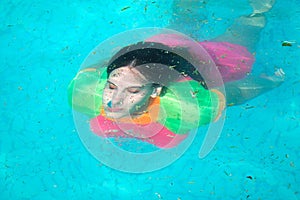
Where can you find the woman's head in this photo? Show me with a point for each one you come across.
(128, 91)
(138, 73)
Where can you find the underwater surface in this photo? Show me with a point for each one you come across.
(43, 44)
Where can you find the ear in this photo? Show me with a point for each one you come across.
(156, 92)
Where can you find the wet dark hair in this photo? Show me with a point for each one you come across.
(159, 59)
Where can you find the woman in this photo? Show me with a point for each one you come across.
(151, 92)
(148, 95)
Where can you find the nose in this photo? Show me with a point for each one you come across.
(117, 99)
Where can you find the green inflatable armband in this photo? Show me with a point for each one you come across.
(186, 106)
(85, 91)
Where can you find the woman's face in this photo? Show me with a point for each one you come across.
(126, 93)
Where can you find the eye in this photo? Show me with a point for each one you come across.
(112, 86)
(134, 90)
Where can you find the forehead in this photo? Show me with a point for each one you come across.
(127, 76)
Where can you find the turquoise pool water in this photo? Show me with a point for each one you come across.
(41, 155)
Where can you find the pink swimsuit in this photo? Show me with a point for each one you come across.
(160, 136)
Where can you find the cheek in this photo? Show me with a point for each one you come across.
(138, 98)
(107, 95)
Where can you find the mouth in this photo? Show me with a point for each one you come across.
(114, 109)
